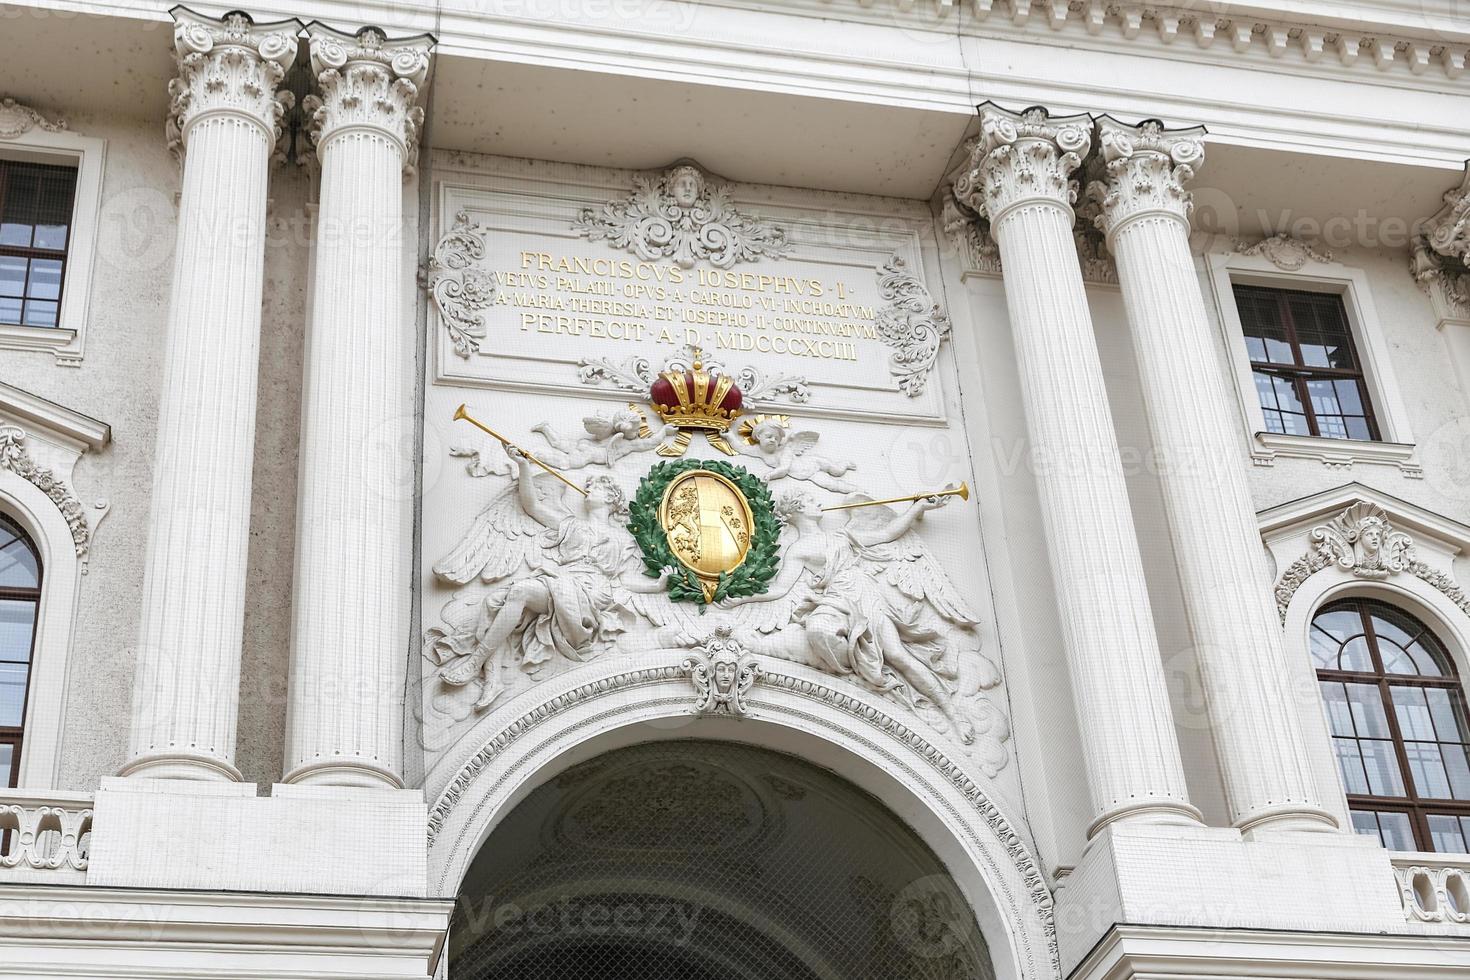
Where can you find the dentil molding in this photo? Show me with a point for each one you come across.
(229, 67)
(369, 88)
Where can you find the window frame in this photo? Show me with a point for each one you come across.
(66, 340)
(1417, 807)
(1395, 443)
(15, 736)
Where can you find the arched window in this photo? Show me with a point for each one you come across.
(20, 596)
(1398, 720)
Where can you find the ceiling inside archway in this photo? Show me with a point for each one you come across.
(692, 859)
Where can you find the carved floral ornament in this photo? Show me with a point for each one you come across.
(16, 120)
(15, 457)
(1362, 540)
(680, 215)
(1284, 252)
(1146, 168)
(229, 67)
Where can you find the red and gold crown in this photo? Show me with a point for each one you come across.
(696, 398)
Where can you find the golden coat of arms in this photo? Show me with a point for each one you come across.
(707, 522)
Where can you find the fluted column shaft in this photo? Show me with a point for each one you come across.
(353, 547)
(1227, 589)
(1020, 179)
(224, 122)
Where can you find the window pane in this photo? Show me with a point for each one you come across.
(1321, 330)
(1395, 831)
(1412, 712)
(1339, 623)
(45, 279)
(17, 619)
(1444, 834)
(1347, 397)
(1459, 770)
(12, 275)
(1355, 656)
(1382, 766)
(1323, 394)
(1332, 427)
(1260, 318)
(13, 694)
(40, 313)
(1395, 659)
(7, 762)
(1339, 714)
(1365, 822)
(1350, 763)
(1357, 428)
(1368, 713)
(18, 568)
(1448, 713)
(1425, 765)
(9, 310)
(1323, 648)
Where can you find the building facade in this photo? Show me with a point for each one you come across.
(661, 489)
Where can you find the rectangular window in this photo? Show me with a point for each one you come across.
(1308, 376)
(35, 233)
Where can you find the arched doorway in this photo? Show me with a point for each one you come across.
(704, 860)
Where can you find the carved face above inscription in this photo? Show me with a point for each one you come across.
(686, 184)
(707, 522)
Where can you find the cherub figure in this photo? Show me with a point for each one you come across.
(865, 599)
(562, 576)
(769, 438)
(609, 438)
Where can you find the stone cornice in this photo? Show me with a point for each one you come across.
(1023, 157)
(229, 66)
(1146, 167)
(369, 84)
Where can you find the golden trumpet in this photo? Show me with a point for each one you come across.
(962, 491)
(460, 413)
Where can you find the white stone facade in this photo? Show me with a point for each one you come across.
(303, 638)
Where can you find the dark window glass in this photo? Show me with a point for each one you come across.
(20, 597)
(1399, 727)
(1308, 378)
(35, 231)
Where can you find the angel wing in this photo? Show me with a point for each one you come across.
(502, 538)
(910, 567)
(802, 442)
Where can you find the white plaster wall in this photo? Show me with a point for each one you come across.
(117, 383)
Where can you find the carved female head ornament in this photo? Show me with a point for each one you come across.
(686, 186)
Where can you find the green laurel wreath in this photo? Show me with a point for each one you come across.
(753, 574)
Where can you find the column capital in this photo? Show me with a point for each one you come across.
(1146, 168)
(1448, 231)
(369, 85)
(228, 66)
(1021, 158)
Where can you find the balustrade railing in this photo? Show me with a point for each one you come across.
(1434, 887)
(44, 834)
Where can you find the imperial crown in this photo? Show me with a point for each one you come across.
(696, 399)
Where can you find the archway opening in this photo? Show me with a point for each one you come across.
(703, 860)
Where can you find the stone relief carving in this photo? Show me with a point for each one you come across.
(547, 580)
(1363, 540)
(769, 438)
(637, 374)
(460, 290)
(561, 574)
(722, 673)
(1143, 168)
(679, 215)
(1286, 253)
(911, 323)
(1448, 231)
(1444, 278)
(970, 232)
(1020, 156)
(16, 120)
(367, 80)
(17, 459)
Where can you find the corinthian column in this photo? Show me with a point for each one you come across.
(1227, 590)
(1019, 178)
(350, 634)
(224, 122)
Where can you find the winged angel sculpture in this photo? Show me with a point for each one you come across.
(549, 579)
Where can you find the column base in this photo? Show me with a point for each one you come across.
(181, 765)
(343, 772)
(1292, 818)
(1166, 813)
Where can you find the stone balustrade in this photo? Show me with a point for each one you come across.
(45, 835)
(1434, 887)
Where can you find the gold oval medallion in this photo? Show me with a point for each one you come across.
(707, 522)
